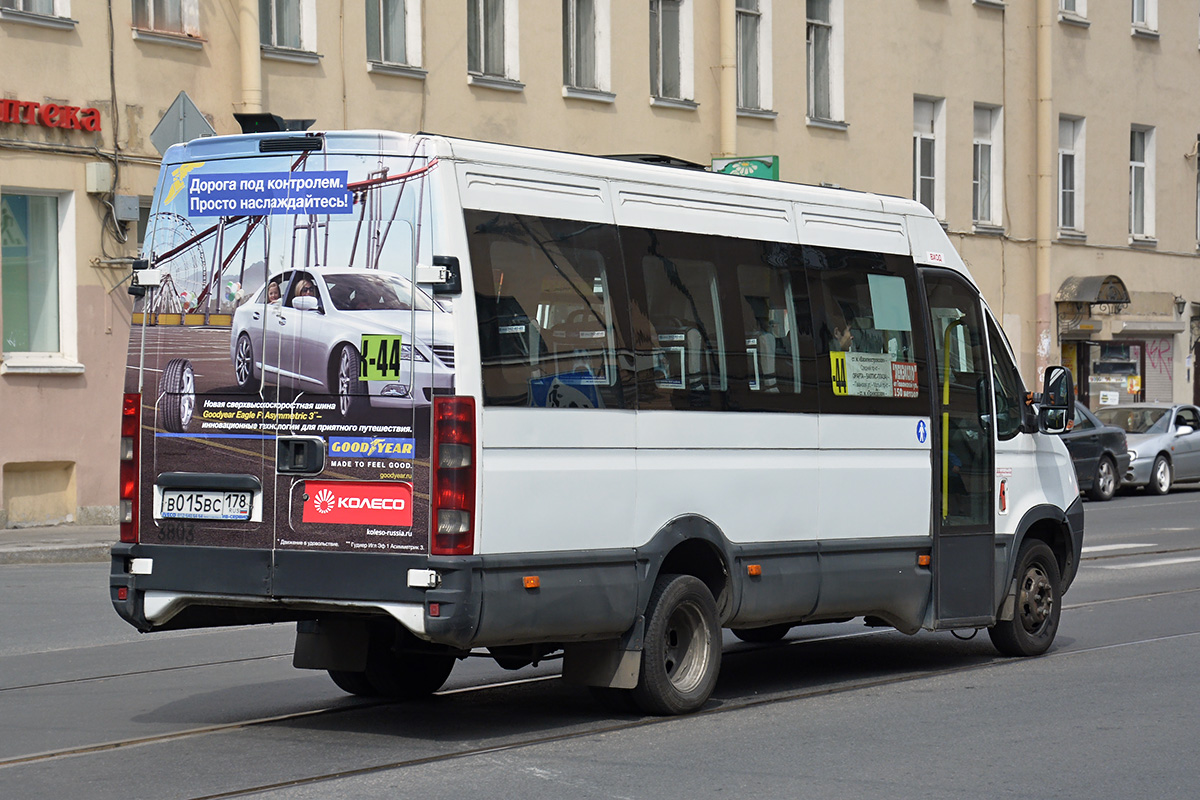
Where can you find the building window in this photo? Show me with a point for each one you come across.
(671, 49)
(754, 54)
(1145, 14)
(38, 277)
(1141, 183)
(394, 32)
(929, 156)
(289, 24)
(492, 39)
(824, 45)
(987, 174)
(167, 16)
(1075, 7)
(585, 44)
(1070, 174)
(48, 8)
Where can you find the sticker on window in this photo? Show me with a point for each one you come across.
(872, 375)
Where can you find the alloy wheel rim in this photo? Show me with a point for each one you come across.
(243, 361)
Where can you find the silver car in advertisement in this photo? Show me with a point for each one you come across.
(304, 329)
(1164, 443)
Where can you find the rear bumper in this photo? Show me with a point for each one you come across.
(174, 587)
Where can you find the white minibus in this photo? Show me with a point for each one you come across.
(429, 397)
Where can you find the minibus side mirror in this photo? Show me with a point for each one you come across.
(1057, 408)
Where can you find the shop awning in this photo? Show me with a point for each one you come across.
(1093, 289)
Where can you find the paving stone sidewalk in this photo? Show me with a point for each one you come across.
(57, 545)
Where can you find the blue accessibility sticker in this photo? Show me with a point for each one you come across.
(922, 431)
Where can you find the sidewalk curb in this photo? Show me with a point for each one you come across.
(55, 554)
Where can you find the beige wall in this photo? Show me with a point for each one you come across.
(964, 52)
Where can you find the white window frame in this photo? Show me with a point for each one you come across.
(413, 54)
(687, 58)
(762, 63)
(933, 130)
(835, 68)
(62, 8)
(189, 18)
(308, 29)
(1146, 169)
(510, 77)
(1144, 16)
(1074, 148)
(66, 359)
(993, 141)
(602, 53)
(59, 18)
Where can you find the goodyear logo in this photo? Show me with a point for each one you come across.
(378, 447)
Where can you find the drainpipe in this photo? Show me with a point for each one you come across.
(728, 12)
(1045, 205)
(251, 58)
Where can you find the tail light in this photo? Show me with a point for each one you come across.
(453, 476)
(131, 429)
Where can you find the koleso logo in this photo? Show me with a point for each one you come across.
(323, 501)
(352, 503)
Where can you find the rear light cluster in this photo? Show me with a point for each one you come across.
(453, 476)
(131, 428)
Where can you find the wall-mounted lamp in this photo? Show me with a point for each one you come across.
(1180, 305)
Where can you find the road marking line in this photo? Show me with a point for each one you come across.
(1162, 562)
(1103, 547)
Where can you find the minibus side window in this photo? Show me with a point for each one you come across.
(870, 344)
(687, 349)
(545, 294)
(776, 325)
(1006, 383)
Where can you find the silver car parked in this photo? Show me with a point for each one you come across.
(310, 337)
(1164, 443)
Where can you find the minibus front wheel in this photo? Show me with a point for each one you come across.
(1034, 624)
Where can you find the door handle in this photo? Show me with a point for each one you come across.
(299, 455)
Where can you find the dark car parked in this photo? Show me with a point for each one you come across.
(1100, 453)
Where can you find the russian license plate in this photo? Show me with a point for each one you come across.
(195, 504)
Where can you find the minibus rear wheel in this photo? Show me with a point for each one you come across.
(681, 653)
(1034, 624)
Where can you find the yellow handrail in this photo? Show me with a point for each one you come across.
(946, 418)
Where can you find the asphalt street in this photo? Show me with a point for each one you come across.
(94, 709)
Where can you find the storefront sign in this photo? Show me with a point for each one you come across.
(50, 115)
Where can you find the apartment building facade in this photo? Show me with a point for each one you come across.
(1051, 137)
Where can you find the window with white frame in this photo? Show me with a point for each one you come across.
(1076, 7)
(1145, 14)
(586, 44)
(929, 156)
(492, 39)
(47, 8)
(754, 54)
(671, 58)
(1070, 173)
(394, 32)
(1141, 182)
(824, 56)
(37, 270)
(288, 24)
(987, 176)
(167, 16)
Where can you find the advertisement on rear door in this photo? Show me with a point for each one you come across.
(288, 358)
